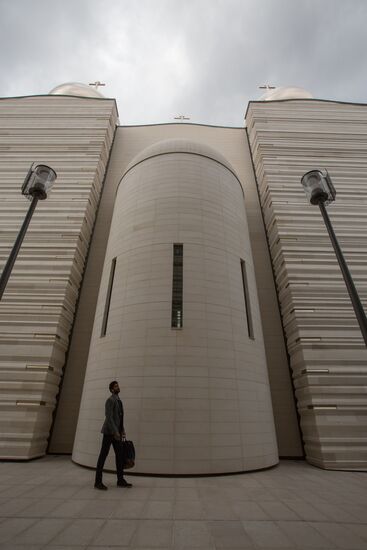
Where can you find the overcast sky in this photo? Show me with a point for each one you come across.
(200, 58)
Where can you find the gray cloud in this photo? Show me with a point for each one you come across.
(201, 58)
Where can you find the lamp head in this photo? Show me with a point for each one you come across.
(318, 187)
(38, 182)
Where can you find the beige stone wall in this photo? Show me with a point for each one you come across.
(197, 398)
(233, 144)
(74, 136)
(328, 356)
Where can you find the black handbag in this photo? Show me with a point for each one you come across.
(128, 453)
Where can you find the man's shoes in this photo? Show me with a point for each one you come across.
(124, 483)
(100, 486)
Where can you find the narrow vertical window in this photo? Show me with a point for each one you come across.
(246, 295)
(108, 298)
(177, 286)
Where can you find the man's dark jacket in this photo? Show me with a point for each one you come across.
(114, 411)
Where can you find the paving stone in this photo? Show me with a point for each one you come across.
(187, 509)
(186, 482)
(79, 532)
(207, 492)
(10, 528)
(39, 508)
(229, 535)
(187, 493)
(64, 492)
(131, 548)
(278, 511)
(284, 495)
(266, 534)
(340, 536)
(154, 533)
(218, 509)
(69, 509)
(335, 512)
(99, 509)
(163, 481)
(162, 493)
(41, 532)
(248, 510)
(358, 529)
(134, 493)
(358, 512)
(158, 509)
(304, 536)
(116, 532)
(306, 511)
(12, 507)
(192, 534)
(14, 490)
(44, 491)
(86, 493)
(236, 493)
(260, 494)
(10, 546)
(129, 509)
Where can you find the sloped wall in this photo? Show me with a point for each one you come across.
(74, 136)
(328, 355)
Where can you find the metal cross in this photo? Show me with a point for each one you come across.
(182, 117)
(96, 84)
(267, 87)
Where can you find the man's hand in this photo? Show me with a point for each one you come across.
(117, 436)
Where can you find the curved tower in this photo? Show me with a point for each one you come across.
(178, 322)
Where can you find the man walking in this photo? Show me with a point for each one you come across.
(113, 431)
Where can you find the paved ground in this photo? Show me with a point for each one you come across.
(51, 503)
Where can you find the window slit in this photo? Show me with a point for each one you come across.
(177, 287)
(246, 295)
(108, 298)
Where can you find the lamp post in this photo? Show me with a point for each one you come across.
(36, 186)
(320, 191)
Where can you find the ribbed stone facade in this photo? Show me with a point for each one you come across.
(327, 354)
(74, 136)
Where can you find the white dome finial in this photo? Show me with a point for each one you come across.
(285, 92)
(77, 89)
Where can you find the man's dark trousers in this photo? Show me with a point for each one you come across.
(107, 441)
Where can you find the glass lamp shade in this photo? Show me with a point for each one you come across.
(38, 182)
(318, 187)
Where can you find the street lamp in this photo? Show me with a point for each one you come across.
(36, 186)
(320, 191)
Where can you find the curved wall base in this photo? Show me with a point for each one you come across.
(154, 474)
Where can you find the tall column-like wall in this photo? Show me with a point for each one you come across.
(74, 136)
(328, 355)
(197, 398)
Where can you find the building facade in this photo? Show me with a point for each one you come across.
(328, 357)
(184, 261)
